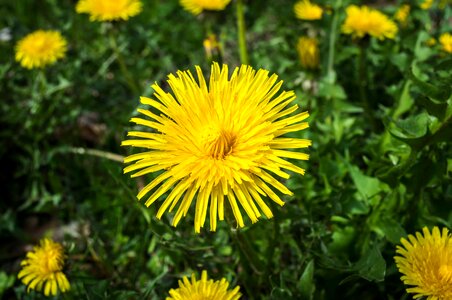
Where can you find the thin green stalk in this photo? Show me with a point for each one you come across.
(362, 84)
(242, 33)
(332, 40)
(122, 65)
(93, 152)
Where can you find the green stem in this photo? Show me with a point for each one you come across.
(331, 51)
(362, 84)
(242, 33)
(122, 65)
(93, 152)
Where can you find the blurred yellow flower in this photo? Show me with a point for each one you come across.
(211, 46)
(203, 289)
(308, 51)
(218, 139)
(40, 48)
(197, 6)
(305, 10)
(426, 4)
(43, 268)
(446, 42)
(109, 10)
(426, 264)
(362, 21)
(402, 13)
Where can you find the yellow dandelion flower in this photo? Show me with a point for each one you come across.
(446, 42)
(42, 269)
(308, 51)
(197, 6)
(426, 4)
(40, 48)
(305, 10)
(218, 140)
(203, 289)
(109, 10)
(402, 13)
(211, 46)
(426, 264)
(362, 21)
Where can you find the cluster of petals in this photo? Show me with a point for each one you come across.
(362, 21)
(198, 6)
(308, 52)
(446, 42)
(203, 289)
(109, 10)
(425, 260)
(218, 142)
(40, 48)
(42, 269)
(305, 10)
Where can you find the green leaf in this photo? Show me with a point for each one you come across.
(366, 185)
(371, 267)
(6, 281)
(441, 93)
(331, 90)
(306, 284)
(435, 109)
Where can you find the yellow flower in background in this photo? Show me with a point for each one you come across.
(203, 289)
(305, 10)
(446, 42)
(40, 48)
(308, 51)
(211, 46)
(426, 4)
(402, 13)
(220, 140)
(425, 260)
(362, 21)
(197, 6)
(43, 268)
(109, 10)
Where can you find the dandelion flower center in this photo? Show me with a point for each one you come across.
(219, 145)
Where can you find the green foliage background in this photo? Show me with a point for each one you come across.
(374, 175)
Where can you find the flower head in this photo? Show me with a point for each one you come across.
(308, 51)
(446, 42)
(402, 13)
(109, 10)
(197, 6)
(362, 21)
(42, 269)
(218, 140)
(203, 289)
(211, 46)
(40, 48)
(426, 4)
(305, 10)
(426, 263)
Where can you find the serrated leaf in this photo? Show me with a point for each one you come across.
(441, 93)
(371, 267)
(435, 109)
